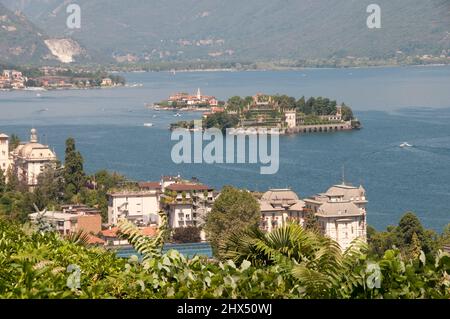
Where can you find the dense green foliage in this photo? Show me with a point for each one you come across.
(296, 264)
(73, 170)
(233, 210)
(409, 237)
(314, 106)
(186, 235)
(222, 121)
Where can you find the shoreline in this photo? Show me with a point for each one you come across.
(274, 69)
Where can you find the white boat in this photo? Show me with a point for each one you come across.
(177, 115)
(405, 145)
(148, 124)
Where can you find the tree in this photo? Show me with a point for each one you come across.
(311, 222)
(50, 186)
(2, 182)
(233, 210)
(347, 113)
(416, 247)
(301, 103)
(445, 238)
(13, 182)
(408, 226)
(14, 141)
(186, 235)
(235, 103)
(74, 176)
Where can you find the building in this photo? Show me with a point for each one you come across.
(107, 82)
(5, 160)
(197, 100)
(72, 219)
(338, 117)
(187, 204)
(30, 159)
(112, 238)
(280, 206)
(341, 213)
(139, 206)
(291, 118)
(12, 79)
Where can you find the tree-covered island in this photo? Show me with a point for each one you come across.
(290, 115)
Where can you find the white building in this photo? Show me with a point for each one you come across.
(5, 160)
(141, 207)
(291, 118)
(341, 213)
(28, 160)
(187, 204)
(280, 206)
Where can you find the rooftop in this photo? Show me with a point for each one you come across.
(149, 185)
(188, 187)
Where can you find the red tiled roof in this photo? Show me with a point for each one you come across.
(94, 240)
(150, 185)
(149, 231)
(146, 231)
(187, 187)
(110, 232)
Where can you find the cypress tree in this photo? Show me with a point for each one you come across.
(74, 176)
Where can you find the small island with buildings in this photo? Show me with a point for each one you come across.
(182, 101)
(263, 112)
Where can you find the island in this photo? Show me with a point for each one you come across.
(262, 112)
(186, 102)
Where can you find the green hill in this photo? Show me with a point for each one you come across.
(20, 40)
(266, 30)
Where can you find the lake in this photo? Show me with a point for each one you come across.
(395, 105)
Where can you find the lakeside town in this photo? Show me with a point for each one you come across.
(52, 78)
(153, 239)
(262, 112)
(340, 211)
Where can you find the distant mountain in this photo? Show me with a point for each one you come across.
(21, 42)
(177, 30)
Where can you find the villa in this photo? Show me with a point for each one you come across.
(280, 206)
(28, 160)
(340, 212)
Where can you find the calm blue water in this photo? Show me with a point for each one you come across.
(395, 105)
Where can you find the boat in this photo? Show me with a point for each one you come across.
(148, 124)
(177, 115)
(405, 145)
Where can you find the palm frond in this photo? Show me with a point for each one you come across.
(79, 238)
(148, 247)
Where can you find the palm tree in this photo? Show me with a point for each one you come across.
(322, 269)
(148, 247)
